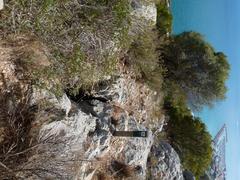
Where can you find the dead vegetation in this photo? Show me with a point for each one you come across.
(16, 116)
(111, 169)
(121, 170)
(83, 37)
(17, 113)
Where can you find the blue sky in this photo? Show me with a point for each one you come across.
(219, 22)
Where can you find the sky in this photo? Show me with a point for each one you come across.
(219, 22)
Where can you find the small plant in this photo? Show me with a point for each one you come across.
(143, 59)
(120, 169)
(16, 116)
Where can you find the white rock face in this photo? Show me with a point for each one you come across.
(168, 166)
(1, 4)
(75, 129)
(78, 144)
(145, 10)
(143, 17)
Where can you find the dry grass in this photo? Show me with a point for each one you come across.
(120, 170)
(83, 37)
(107, 168)
(117, 113)
(16, 116)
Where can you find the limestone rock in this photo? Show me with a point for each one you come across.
(188, 175)
(1, 4)
(146, 10)
(82, 139)
(164, 163)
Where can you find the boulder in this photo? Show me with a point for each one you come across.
(1, 4)
(188, 175)
(164, 163)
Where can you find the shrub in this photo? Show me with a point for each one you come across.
(121, 170)
(190, 138)
(196, 68)
(164, 19)
(143, 59)
(16, 116)
(173, 93)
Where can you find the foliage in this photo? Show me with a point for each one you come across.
(164, 19)
(143, 59)
(190, 138)
(173, 93)
(196, 68)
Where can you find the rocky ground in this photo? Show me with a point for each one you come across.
(71, 137)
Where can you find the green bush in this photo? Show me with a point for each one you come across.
(143, 59)
(164, 19)
(173, 93)
(196, 68)
(190, 138)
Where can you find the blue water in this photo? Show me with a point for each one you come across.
(218, 21)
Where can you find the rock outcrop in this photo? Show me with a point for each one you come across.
(82, 137)
(145, 10)
(79, 143)
(164, 162)
(1, 4)
(72, 137)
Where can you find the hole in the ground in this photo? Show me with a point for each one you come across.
(85, 101)
(84, 96)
